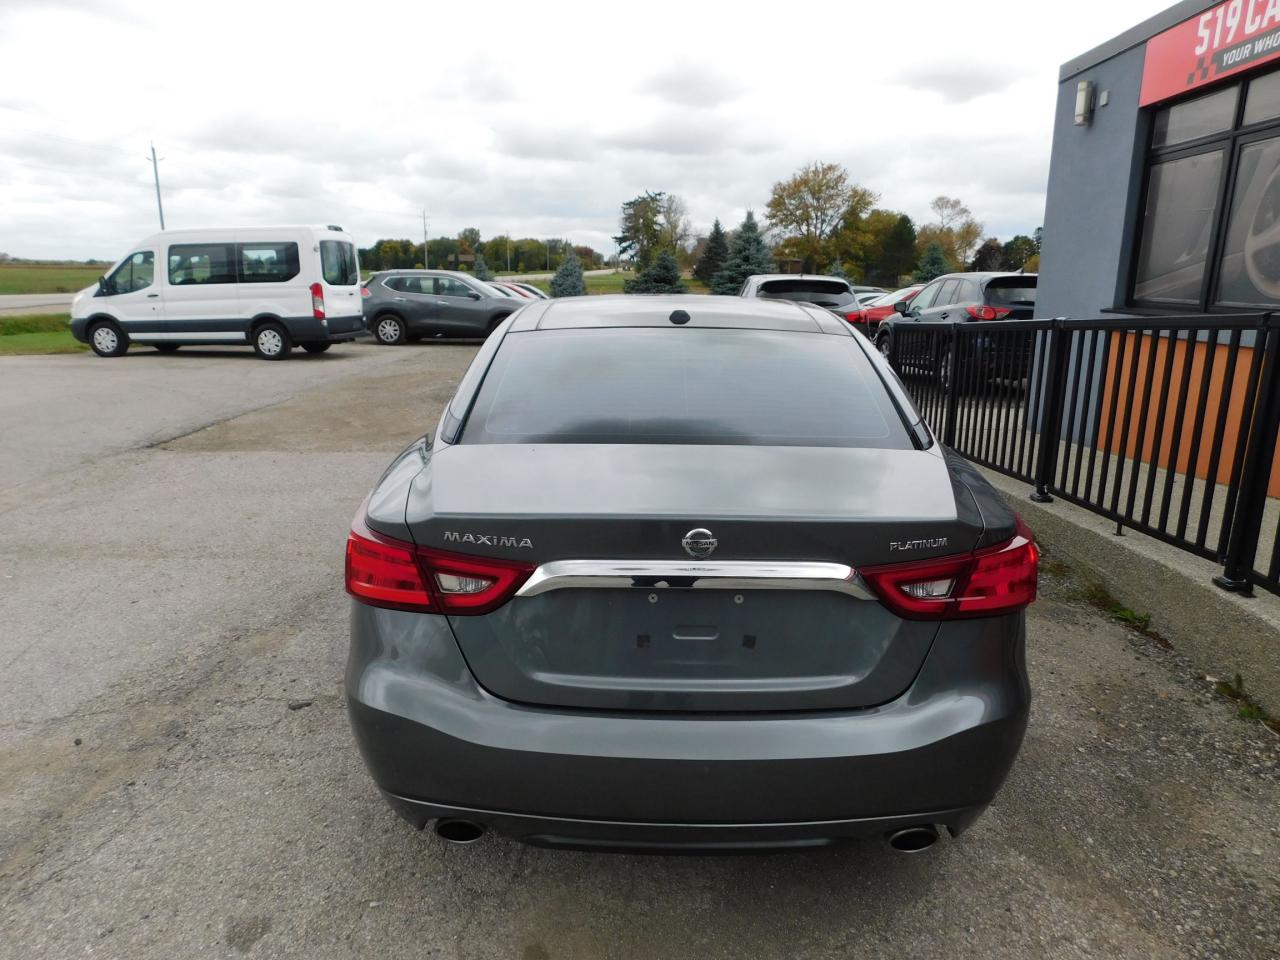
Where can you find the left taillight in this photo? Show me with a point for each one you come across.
(364, 293)
(385, 572)
(986, 583)
(317, 301)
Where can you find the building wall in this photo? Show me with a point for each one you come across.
(1095, 182)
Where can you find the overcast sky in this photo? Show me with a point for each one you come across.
(363, 113)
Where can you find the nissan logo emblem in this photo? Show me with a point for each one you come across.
(699, 543)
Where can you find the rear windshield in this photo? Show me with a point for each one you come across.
(825, 293)
(1012, 292)
(647, 385)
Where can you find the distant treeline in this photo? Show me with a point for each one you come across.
(501, 253)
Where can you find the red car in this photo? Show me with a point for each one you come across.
(867, 316)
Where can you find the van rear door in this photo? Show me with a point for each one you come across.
(340, 280)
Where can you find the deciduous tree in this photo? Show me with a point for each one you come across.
(988, 256)
(810, 207)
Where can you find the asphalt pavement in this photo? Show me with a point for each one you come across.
(177, 778)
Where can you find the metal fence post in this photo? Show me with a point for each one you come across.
(1261, 445)
(1051, 411)
(953, 389)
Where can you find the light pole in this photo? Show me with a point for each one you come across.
(426, 254)
(155, 169)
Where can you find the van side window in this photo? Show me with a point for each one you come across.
(137, 272)
(268, 262)
(338, 263)
(191, 263)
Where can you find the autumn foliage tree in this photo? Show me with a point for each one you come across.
(811, 207)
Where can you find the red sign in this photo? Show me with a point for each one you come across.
(1217, 43)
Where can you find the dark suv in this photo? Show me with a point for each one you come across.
(960, 298)
(402, 305)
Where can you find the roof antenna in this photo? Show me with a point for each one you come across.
(679, 317)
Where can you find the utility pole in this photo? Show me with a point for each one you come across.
(155, 169)
(508, 251)
(426, 255)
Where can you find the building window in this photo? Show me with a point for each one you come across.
(1210, 230)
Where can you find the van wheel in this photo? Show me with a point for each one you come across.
(166, 347)
(389, 330)
(271, 342)
(316, 347)
(108, 340)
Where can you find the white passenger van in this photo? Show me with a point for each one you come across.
(272, 287)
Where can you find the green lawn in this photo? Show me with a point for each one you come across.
(37, 333)
(612, 283)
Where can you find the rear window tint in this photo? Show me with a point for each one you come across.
(723, 387)
(1012, 292)
(338, 263)
(825, 293)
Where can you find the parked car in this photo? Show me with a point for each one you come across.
(402, 305)
(866, 319)
(510, 289)
(965, 298)
(272, 287)
(528, 288)
(833, 293)
(621, 598)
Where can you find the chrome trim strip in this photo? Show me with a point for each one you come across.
(695, 575)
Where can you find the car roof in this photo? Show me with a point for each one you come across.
(985, 275)
(423, 273)
(795, 276)
(629, 310)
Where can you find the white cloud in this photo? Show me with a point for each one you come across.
(503, 121)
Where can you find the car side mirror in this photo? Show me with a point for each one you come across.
(105, 287)
(902, 307)
(473, 295)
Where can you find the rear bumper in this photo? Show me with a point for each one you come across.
(440, 746)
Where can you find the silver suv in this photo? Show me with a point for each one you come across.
(402, 305)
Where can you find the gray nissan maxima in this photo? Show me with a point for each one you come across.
(686, 573)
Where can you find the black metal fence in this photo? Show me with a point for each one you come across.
(1164, 425)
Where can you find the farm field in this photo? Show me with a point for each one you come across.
(17, 278)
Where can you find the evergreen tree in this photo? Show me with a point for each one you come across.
(897, 257)
(661, 276)
(837, 270)
(932, 264)
(482, 271)
(748, 255)
(714, 256)
(568, 280)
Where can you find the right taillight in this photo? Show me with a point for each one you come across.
(985, 583)
(385, 572)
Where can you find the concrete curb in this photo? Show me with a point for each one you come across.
(1221, 633)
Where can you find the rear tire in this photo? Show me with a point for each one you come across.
(389, 330)
(108, 340)
(316, 347)
(884, 343)
(494, 324)
(271, 342)
(166, 347)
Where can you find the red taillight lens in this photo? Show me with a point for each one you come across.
(385, 572)
(981, 312)
(364, 292)
(317, 301)
(985, 583)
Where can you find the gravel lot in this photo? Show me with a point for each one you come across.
(177, 778)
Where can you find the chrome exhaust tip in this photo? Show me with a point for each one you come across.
(458, 831)
(914, 839)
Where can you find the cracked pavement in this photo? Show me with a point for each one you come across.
(170, 583)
